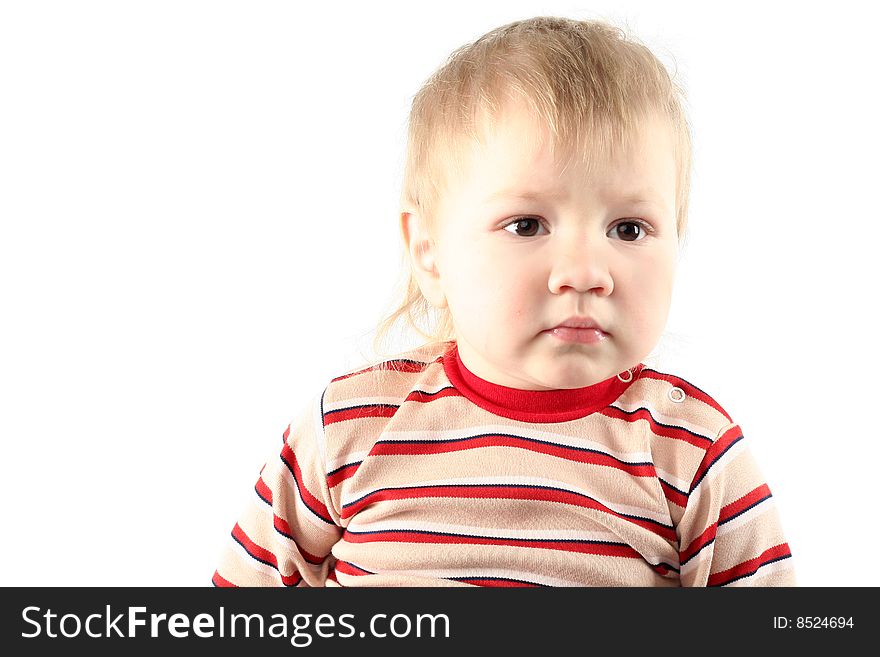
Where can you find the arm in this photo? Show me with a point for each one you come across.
(289, 526)
(730, 534)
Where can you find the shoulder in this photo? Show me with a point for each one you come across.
(367, 397)
(674, 401)
(392, 378)
(686, 426)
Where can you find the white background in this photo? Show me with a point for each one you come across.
(199, 227)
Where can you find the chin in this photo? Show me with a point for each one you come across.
(580, 379)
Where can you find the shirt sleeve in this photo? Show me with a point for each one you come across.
(289, 526)
(730, 533)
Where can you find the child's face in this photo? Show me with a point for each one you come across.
(524, 243)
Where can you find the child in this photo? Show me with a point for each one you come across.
(525, 444)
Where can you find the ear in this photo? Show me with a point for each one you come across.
(422, 252)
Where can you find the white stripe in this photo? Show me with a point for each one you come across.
(660, 418)
(306, 512)
(709, 550)
(487, 532)
(523, 481)
(705, 553)
(654, 560)
(267, 520)
(753, 513)
(675, 482)
(453, 573)
(524, 432)
(432, 389)
(353, 457)
(714, 471)
(259, 566)
(361, 401)
(765, 570)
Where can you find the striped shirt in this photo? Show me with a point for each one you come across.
(416, 472)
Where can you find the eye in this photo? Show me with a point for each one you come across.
(631, 230)
(524, 226)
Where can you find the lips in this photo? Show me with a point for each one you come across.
(584, 330)
(580, 323)
(580, 335)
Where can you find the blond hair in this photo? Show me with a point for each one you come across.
(587, 81)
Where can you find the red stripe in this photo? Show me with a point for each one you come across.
(256, 551)
(718, 447)
(359, 412)
(264, 555)
(498, 440)
(699, 542)
(311, 501)
(749, 567)
(479, 581)
(350, 569)
(502, 492)
(673, 495)
(406, 536)
(263, 490)
(744, 503)
(388, 365)
(282, 527)
(291, 580)
(727, 511)
(676, 433)
(342, 474)
(689, 389)
(424, 397)
(219, 580)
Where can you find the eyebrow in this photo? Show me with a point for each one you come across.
(641, 196)
(524, 195)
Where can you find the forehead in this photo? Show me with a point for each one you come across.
(518, 154)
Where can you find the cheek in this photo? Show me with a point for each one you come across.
(648, 288)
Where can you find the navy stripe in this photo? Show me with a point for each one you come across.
(749, 574)
(511, 435)
(713, 462)
(260, 495)
(497, 579)
(400, 360)
(672, 378)
(526, 486)
(354, 565)
(496, 538)
(299, 492)
(349, 408)
(430, 394)
(751, 506)
(700, 550)
(342, 467)
(661, 424)
(284, 534)
(665, 565)
(253, 556)
(677, 490)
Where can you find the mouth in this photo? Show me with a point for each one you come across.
(579, 335)
(584, 330)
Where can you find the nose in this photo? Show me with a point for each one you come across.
(581, 266)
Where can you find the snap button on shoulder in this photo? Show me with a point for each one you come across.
(677, 395)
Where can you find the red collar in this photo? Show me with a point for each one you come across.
(532, 405)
